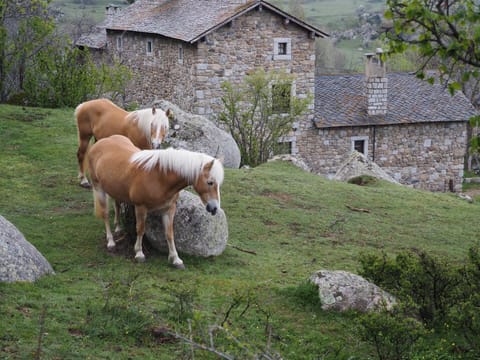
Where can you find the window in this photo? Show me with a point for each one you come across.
(360, 144)
(281, 94)
(180, 54)
(149, 47)
(119, 43)
(282, 49)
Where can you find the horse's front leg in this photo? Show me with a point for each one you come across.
(167, 219)
(140, 217)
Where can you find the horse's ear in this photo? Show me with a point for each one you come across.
(153, 110)
(209, 166)
(169, 114)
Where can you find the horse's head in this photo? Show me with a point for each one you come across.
(159, 126)
(208, 185)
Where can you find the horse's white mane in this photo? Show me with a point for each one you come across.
(145, 118)
(187, 163)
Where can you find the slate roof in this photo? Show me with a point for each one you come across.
(185, 20)
(340, 101)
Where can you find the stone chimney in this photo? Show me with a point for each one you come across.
(376, 84)
(111, 10)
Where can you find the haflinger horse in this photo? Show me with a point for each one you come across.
(101, 118)
(150, 180)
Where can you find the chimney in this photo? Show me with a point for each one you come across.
(111, 10)
(376, 84)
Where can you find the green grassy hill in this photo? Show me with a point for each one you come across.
(100, 305)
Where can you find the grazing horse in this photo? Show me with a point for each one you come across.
(150, 180)
(101, 118)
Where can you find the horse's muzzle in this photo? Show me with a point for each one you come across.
(212, 207)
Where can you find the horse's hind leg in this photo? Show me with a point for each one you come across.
(140, 217)
(116, 221)
(173, 258)
(83, 143)
(101, 211)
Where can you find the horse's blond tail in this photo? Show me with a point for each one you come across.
(101, 203)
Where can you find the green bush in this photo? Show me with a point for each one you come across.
(443, 296)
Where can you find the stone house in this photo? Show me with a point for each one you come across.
(415, 131)
(182, 51)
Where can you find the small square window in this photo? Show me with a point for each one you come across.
(360, 144)
(282, 49)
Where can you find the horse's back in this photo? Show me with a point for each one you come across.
(100, 117)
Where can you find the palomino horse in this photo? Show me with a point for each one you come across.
(150, 180)
(101, 118)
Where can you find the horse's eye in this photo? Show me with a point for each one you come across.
(210, 183)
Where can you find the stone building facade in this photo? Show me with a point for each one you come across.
(426, 156)
(416, 132)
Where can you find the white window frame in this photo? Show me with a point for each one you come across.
(276, 54)
(149, 47)
(365, 143)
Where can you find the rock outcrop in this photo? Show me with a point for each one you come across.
(341, 291)
(20, 260)
(196, 232)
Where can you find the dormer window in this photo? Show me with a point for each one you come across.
(282, 49)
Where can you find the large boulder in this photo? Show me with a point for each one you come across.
(356, 164)
(196, 232)
(197, 133)
(20, 260)
(341, 291)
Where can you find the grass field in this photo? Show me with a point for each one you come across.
(104, 306)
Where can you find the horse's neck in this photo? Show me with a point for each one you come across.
(138, 137)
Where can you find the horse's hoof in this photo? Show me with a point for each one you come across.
(140, 258)
(179, 266)
(111, 247)
(86, 185)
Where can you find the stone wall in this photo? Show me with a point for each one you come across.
(428, 156)
(159, 74)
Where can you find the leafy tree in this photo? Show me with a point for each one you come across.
(66, 76)
(26, 27)
(260, 112)
(445, 32)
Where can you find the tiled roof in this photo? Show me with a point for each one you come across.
(340, 101)
(188, 20)
(97, 39)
